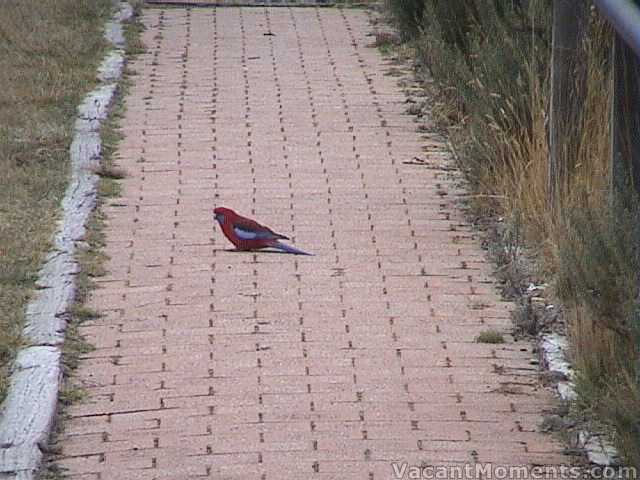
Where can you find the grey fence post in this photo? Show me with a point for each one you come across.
(567, 79)
(625, 120)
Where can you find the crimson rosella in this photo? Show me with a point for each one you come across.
(247, 234)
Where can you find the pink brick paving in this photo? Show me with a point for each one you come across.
(216, 364)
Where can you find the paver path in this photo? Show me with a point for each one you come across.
(211, 363)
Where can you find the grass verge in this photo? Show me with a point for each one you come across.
(49, 51)
(92, 258)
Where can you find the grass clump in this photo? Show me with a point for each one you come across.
(598, 279)
(490, 336)
(49, 51)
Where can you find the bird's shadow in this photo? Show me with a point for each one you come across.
(275, 252)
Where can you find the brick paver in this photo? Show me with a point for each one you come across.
(211, 363)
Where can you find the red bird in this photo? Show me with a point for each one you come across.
(247, 234)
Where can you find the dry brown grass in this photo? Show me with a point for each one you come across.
(523, 183)
(48, 53)
(587, 249)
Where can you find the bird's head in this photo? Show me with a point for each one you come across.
(222, 212)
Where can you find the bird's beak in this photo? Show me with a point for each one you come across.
(219, 217)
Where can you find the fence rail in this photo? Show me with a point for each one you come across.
(624, 15)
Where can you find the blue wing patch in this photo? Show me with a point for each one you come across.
(251, 235)
(245, 234)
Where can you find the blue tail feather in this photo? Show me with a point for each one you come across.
(289, 249)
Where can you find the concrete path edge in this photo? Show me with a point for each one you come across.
(28, 412)
(598, 446)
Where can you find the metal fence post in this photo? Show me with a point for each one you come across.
(625, 121)
(567, 79)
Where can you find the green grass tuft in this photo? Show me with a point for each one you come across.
(490, 336)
